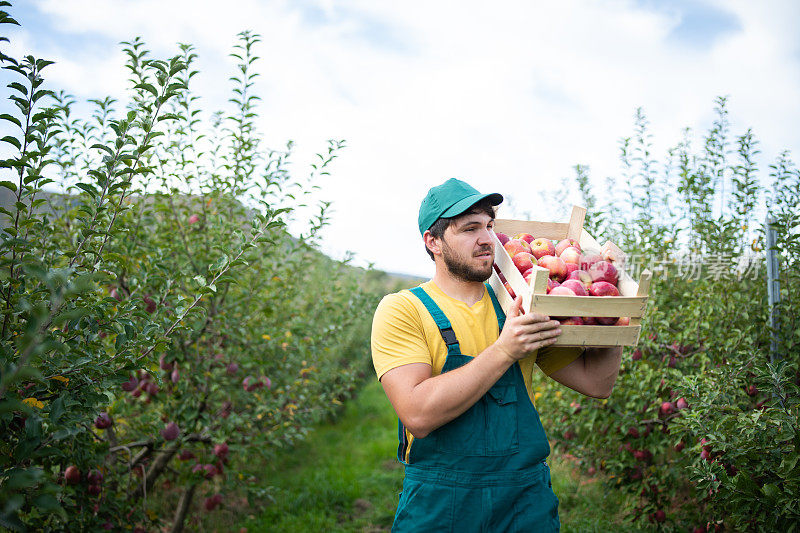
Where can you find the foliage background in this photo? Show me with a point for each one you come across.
(162, 294)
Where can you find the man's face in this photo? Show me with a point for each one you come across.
(467, 248)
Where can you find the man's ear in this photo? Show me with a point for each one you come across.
(432, 243)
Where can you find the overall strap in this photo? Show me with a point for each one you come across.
(449, 336)
(501, 316)
(445, 328)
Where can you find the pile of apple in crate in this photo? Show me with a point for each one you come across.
(560, 270)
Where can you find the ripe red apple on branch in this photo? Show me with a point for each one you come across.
(72, 475)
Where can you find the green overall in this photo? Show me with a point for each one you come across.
(484, 471)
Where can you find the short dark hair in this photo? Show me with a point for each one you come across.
(440, 226)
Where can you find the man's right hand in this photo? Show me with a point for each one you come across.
(524, 333)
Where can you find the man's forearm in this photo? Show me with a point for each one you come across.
(440, 399)
(603, 365)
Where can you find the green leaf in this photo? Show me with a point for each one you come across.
(57, 410)
(46, 502)
(147, 87)
(12, 141)
(8, 185)
(88, 189)
(10, 118)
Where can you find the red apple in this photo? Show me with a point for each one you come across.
(571, 255)
(72, 475)
(589, 321)
(162, 362)
(589, 260)
(541, 247)
(551, 284)
(660, 516)
(499, 274)
(502, 237)
(571, 267)
(603, 288)
(210, 470)
(527, 237)
(232, 368)
(606, 320)
(680, 446)
(515, 246)
(150, 304)
(642, 455)
(562, 291)
(624, 321)
(576, 286)
(170, 431)
(194, 219)
(604, 271)
(582, 276)
(185, 455)
(681, 403)
(637, 354)
(556, 266)
(103, 421)
(572, 321)
(667, 408)
(566, 243)
(523, 261)
(265, 382)
(212, 502)
(221, 450)
(507, 285)
(131, 384)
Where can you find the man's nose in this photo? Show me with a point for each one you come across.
(485, 237)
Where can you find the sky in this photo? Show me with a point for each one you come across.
(508, 96)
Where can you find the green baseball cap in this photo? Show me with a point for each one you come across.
(450, 199)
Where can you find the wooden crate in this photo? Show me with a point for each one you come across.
(631, 302)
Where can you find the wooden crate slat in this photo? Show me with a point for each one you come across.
(643, 290)
(588, 243)
(503, 298)
(547, 304)
(576, 223)
(598, 336)
(548, 230)
(509, 270)
(539, 279)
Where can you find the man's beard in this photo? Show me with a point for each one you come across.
(460, 269)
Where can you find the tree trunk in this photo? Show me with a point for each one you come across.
(183, 508)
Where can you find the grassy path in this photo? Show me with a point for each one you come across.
(344, 478)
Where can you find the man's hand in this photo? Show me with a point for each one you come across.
(525, 333)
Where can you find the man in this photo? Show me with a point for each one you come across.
(458, 374)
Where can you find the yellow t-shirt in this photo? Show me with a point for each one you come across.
(403, 332)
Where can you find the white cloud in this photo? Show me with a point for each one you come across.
(508, 96)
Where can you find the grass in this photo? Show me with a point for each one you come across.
(345, 478)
